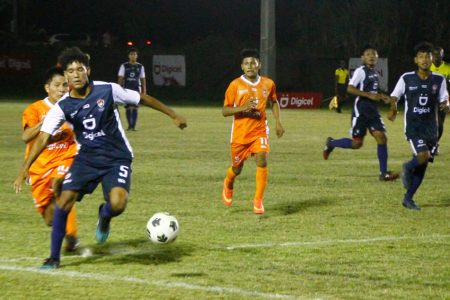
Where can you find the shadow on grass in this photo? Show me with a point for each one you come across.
(138, 251)
(289, 208)
(442, 203)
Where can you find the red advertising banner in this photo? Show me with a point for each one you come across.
(16, 63)
(299, 100)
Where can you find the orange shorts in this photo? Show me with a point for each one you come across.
(41, 185)
(240, 152)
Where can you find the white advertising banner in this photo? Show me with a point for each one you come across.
(169, 70)
(381, 68)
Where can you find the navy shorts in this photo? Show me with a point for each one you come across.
(84, 178)
(361, 124)
(420, 145)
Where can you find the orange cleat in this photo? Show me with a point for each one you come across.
(227, 194)
(258, 207)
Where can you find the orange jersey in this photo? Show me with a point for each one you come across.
(247, 127)
(64, 149)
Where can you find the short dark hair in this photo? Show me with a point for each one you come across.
(367, 47)
(132, 49)
(249, 53)
(52, 72)
(424, 47)
(438, 49)
(69, 55)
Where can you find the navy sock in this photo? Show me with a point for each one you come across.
(382, 153)
(134, 114)
(129, 117)
(418, 176)
(107, 212)
(342, 143)
(412, 164)
(58, 231)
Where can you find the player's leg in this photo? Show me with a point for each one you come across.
(128, 115)
(116, 185)
(441, 119)
(134, 116)
(238, 156)
(382, 154)
(261, 182)
(414, 171)
(359, 130)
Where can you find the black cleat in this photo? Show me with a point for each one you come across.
(410, 204)
(389, 176)
(50, 264)
(72, 243)
(327, 148)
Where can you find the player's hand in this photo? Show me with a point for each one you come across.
(279, 129)
(19, 181)
(392, 115)
(56, 186)
(386, 99)
(444, 107)
(180, 122)
(250, 105)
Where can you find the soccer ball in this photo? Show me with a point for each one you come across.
(162, 228)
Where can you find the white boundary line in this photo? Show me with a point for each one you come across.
(334, 242)
(158, 283)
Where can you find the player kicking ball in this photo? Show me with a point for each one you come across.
(246, 99)
(425, 93)
(105, 154)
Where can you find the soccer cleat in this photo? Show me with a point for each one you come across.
(102, 231)
(389, 176)
(327, 149)
(258, 207)
(410, 204)
(407, 177)
(72, 243)
(50, 264)
(227, 194)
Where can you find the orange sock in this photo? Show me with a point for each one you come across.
(230, 178)
(261, 182)
(71, 226)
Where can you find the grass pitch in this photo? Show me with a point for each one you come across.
(331, 229)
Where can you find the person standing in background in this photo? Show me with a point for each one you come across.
(340, 84)
(132, 76)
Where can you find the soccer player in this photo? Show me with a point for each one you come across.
(424, 92)
(365, 115)
(246, 99)
(340, 84)
(132, 76)
(53, 163)
(441, 67)
(105, 154)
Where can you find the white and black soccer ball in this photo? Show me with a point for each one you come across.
(162, 228)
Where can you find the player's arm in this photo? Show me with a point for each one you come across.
(120, 80)
(30, 133)
(276, 114)
(39, 145)
(372, 96)
(249, 105)
(392, 113)
(154, 103)
(121, 76)
(443, 93)
(144, 85)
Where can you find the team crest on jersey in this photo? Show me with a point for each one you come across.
(101, 104)
(434, 88)
(264, 92)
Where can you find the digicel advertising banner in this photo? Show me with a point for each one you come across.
(303, 100)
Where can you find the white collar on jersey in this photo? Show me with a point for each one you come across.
(249, 82)
(48, 102)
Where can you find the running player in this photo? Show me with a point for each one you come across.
(105, 154)
(246, 99)
(365, 115)
(53, 163)
(132, 76)
(424, 93)
(441, 67)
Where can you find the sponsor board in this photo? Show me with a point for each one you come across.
(299, 100)
(15, 63)
(169, 70)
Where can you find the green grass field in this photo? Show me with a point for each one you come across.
(331, 229)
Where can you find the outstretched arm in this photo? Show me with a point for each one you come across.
(40, 143)
(276, 114)
(154, 103)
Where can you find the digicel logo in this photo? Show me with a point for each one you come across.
(157, 69)
(300, 100)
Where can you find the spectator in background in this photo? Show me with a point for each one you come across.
(132, 76)
(106, 39)
(340, 84)
(441, 67)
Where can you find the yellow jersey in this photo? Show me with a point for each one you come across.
(342, 75)
(443, 69)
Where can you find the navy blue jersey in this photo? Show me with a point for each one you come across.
(96, 123)
(422, 99)
(365, 79)
(132, 74)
